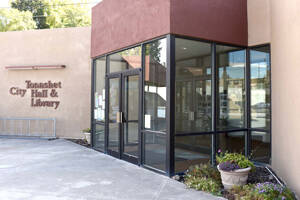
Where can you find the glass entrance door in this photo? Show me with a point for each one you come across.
(114, 110)
(123, 117)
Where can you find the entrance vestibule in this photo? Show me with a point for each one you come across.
(172, 102)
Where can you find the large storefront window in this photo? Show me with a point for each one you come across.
(124, 60)
(192, 150)
(261, 146)
(99, 103)
(155, 150)
(260, 103)
(260, 88)
(193, 86)
(193, 113)
(233, 142)
(231, 64)
(220, 98)
(155, 104)
(100, 69)
(155, 89)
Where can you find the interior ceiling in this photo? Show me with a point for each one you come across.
(189, 49)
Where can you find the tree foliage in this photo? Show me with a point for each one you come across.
(15, 20)
(64, 13)
(36, 7)
(53, 13)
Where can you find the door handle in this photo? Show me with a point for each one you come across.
(119, 117)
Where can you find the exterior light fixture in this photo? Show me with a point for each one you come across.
(35, 67)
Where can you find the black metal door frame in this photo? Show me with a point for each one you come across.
(121, 76)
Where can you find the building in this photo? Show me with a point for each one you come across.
(176, 80)
(171, 82)
(29, 61)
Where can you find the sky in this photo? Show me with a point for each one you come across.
(5, 3)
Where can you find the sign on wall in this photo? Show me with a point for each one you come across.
(43, 94)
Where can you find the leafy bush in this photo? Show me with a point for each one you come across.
(204, 184)
(204, 177)
(245, 192)
(87, 130)
(204, 171)
(270, 191)
(236, 158)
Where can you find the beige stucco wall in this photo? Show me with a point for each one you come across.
(70, 47)
(285, 55)
(259, 22)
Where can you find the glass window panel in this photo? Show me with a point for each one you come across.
(261, 146)
(155, 150)
(191, 150)
(231, 87)
(260, 88)
(128, 59)
(114, 108)
(99, 109)
(131, 98)
(131, 139)
(193, 86)
(99, 137)
(233, 142)
(131, 111)
(155, 89)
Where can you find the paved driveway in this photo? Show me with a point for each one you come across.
(33, 169)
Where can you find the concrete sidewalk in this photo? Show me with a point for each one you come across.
(35, 169)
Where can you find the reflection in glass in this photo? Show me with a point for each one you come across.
(99, 110)
(155, 86)
(99, 137)
(191, 150)
(261, 146)
(233, 142)
(155, 150)
(231, 87)
(260, 88)
(193, 86)
(131, 100)
(114, 108)
(128, 59)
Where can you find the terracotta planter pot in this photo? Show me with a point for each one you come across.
(236, 177)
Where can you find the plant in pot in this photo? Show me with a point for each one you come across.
(87, 135)
(234, 169)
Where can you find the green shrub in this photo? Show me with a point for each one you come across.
(241, 160)
(87, 130)
(205, 171)
(204, 184)
(261, 191)
(245, 192)
(270, 191)
(204, 177)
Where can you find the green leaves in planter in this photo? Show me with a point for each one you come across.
(239, 159)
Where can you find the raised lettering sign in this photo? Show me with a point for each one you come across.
(38, 92)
